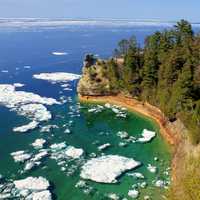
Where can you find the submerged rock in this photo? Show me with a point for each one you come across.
(106, 169)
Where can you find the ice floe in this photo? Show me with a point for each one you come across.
(133, 194)
(30, 126)
(18, 85)
(151, 168)
(39, 143)
(147, 136)
(57, 53)
(48, 128)
(30, 188)
(20, 156)
(113, 196)
(73, 152)
(26, 104)
(37, 112)
(65, 155)
(32, 183)
(57, 77)
(106, 169)
(122, 134)
(136, 175)
(104, 146)
(4, 71)
(27, 67)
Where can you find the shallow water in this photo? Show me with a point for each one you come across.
(89, 130)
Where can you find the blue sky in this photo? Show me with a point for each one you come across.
(132, 9)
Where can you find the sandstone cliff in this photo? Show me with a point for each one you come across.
(95, 80)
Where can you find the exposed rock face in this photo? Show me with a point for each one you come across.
(95, 79)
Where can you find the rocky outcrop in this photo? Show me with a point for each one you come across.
(95, 79)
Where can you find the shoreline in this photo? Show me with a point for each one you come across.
(173, 138)
(145, 109)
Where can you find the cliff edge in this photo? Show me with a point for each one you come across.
(96, 78)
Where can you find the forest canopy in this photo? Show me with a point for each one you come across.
(165, 73)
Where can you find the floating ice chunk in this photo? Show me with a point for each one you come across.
(104, 146)
(133, 194)
(18, 84)
(151, 168)
(115, 110)
(30, 126)
(20, 156)
(147, 136)
(56, 53)
(5, 196)
(74, 152)
(113, 196)
(38, 143)
(122, 134)
(146, 197)
(57, 76)
(106, 169)
(24, 193)
(156, 158)
(143, 184)
(48, 128)
(30, 165)
(4, 71)
(32, 183)
(160, 183)
(37, 112)
(107, 105)
(67, 131)
(80, 184)
(58, 146)
(40, 155)
(12, 98)
(27, 67)
(26, 104)
(96, 109)
(43, 195)
(136, 175)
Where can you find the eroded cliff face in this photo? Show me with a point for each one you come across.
(95, 79)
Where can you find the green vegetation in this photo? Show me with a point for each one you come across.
(166, 73)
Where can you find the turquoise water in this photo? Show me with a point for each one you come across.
(89, 130)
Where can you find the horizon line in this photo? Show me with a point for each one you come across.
(94, 19)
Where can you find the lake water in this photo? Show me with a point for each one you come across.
(33, 47)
